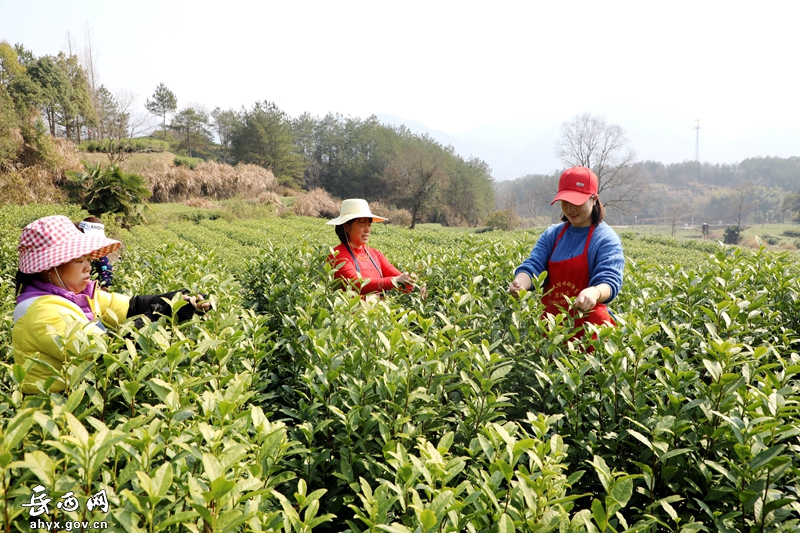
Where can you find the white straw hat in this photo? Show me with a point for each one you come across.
(354, 208)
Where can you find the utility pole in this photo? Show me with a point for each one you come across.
(697, 141)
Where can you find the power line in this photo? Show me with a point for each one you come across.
(697, 141)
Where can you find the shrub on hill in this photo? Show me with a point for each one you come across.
(269, 198)
(109, 189)
(215, 180)
(733, 234)
(505, 220)
(316, 203)
(127, 146)
(398, 217)
(191, 162)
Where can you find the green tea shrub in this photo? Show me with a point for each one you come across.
(733, 234)
(504, 220)
(138, 145)
(184, 161)
(295, 407)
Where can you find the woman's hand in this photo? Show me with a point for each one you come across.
(405, 279)
(587, 298)
(521, 281)
(198, 302)
(410, 279)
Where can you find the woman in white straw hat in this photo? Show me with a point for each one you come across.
(355, 261)
(54, 287)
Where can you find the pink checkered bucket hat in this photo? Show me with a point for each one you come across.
(54, 240)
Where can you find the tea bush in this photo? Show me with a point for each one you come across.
(130, 146)
(294, 407)
(189, 162)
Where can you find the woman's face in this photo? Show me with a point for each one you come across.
(75, 274)
(358, 231)
(579, 216)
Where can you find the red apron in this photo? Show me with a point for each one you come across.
(568, 278)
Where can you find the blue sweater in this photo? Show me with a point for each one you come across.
(606, 261)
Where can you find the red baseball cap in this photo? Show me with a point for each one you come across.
(576, 185)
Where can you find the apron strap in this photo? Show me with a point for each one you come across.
(558, 239)
(588, 239)
(358, 268)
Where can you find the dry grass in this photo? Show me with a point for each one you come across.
(169, 183)
(38, 183)
(756, 243)
(203, 203)
(213, 180)
(136, 163)
(397, 217)
(749, 242)
(67, 157)
(269, 198)
(30, 185)
(316, 203)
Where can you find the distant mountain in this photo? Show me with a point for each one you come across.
(512, 149)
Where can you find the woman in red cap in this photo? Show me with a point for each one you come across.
(54, 290)
(582, 256)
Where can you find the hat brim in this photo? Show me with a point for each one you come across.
(573, 197)
(352, 216)
(95, 246)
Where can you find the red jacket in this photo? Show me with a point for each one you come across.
(379, 280)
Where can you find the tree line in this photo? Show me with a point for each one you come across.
(60, 96)
(755, 191)
(346, 156)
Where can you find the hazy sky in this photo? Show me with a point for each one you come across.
(501, 73)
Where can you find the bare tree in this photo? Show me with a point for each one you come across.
(417, 171)
(119, 122)
(529, 197)
(677, 207)
(90, 65)
(742, 198)
(594, 143)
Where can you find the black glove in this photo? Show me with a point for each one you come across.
(153, 305)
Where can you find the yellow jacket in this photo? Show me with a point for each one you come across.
(31, 337)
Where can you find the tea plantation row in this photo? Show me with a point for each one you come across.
(293, 407)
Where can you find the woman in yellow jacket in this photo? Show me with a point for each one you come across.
(54, 290)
